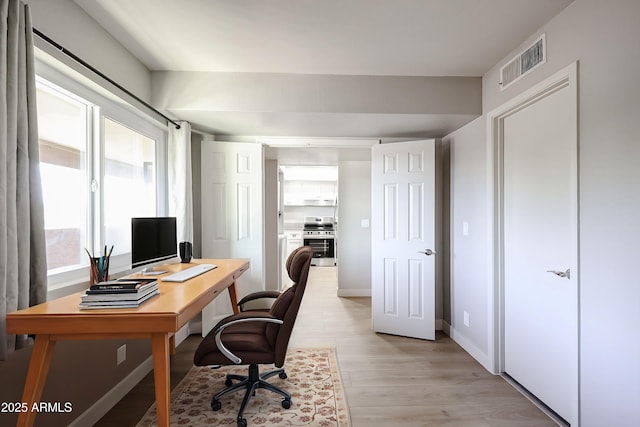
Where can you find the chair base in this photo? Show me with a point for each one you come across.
(251, 383)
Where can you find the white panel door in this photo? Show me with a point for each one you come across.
(232, 214)
(404, 238)
(540, 250)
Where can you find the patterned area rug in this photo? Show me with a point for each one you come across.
(317, 396)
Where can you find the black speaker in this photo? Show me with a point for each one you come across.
(186, 251)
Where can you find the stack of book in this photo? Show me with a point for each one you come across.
(121, 293)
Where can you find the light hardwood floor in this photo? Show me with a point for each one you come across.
(389, 380)
(397, 381)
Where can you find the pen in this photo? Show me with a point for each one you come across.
(101, 268)
(106, 267)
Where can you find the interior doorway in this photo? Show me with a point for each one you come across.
(309, 213)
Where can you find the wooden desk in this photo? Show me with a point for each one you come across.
(157, 319)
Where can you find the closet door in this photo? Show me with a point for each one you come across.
(540, 250)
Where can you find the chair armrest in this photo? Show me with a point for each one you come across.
(247, 316)
(257, 295)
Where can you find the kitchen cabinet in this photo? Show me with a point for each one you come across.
(293, 240)
(310, 193)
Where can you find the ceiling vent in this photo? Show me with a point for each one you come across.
(524, 63)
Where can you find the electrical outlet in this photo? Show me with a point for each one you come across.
(122, 354)
(466, 319)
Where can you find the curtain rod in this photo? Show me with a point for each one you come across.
(101, 74)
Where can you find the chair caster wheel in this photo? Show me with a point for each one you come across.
(283, 375)
(216, 405)
(242, 422)
(286, 403)
(228, 382)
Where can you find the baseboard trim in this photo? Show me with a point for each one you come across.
(96, 411)
(182, 334)
(446, 328)
(364, 292)
(480, 356)
(113, 396)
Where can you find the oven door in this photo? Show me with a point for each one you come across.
(323, 249)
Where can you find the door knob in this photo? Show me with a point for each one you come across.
(565, 274)
(427, 252)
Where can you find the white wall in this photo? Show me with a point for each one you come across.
(468, 270)
(354, 241)
(271, 251)
(603, 38)
(70, 26)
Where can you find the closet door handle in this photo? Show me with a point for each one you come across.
(565, 274)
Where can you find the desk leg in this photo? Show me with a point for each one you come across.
(36, 376)
(160, 351)
(234, 297)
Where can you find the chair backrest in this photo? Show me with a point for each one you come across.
(287, 305)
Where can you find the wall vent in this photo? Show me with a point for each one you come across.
(524, 63)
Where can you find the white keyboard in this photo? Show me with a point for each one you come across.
(189, 273)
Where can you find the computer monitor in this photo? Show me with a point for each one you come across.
(153, 239)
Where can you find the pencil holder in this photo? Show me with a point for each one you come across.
(99, 270)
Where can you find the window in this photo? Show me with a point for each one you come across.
(129, 181)
(62, 129)
(101, 165)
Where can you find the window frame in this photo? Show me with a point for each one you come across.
(103, 105)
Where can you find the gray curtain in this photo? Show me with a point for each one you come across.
(23, 264)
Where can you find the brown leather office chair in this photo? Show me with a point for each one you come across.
(257, 337)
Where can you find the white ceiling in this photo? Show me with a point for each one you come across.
(323, 37)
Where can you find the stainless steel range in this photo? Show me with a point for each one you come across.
(319, 234)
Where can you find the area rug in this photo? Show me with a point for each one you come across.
(317, 396)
